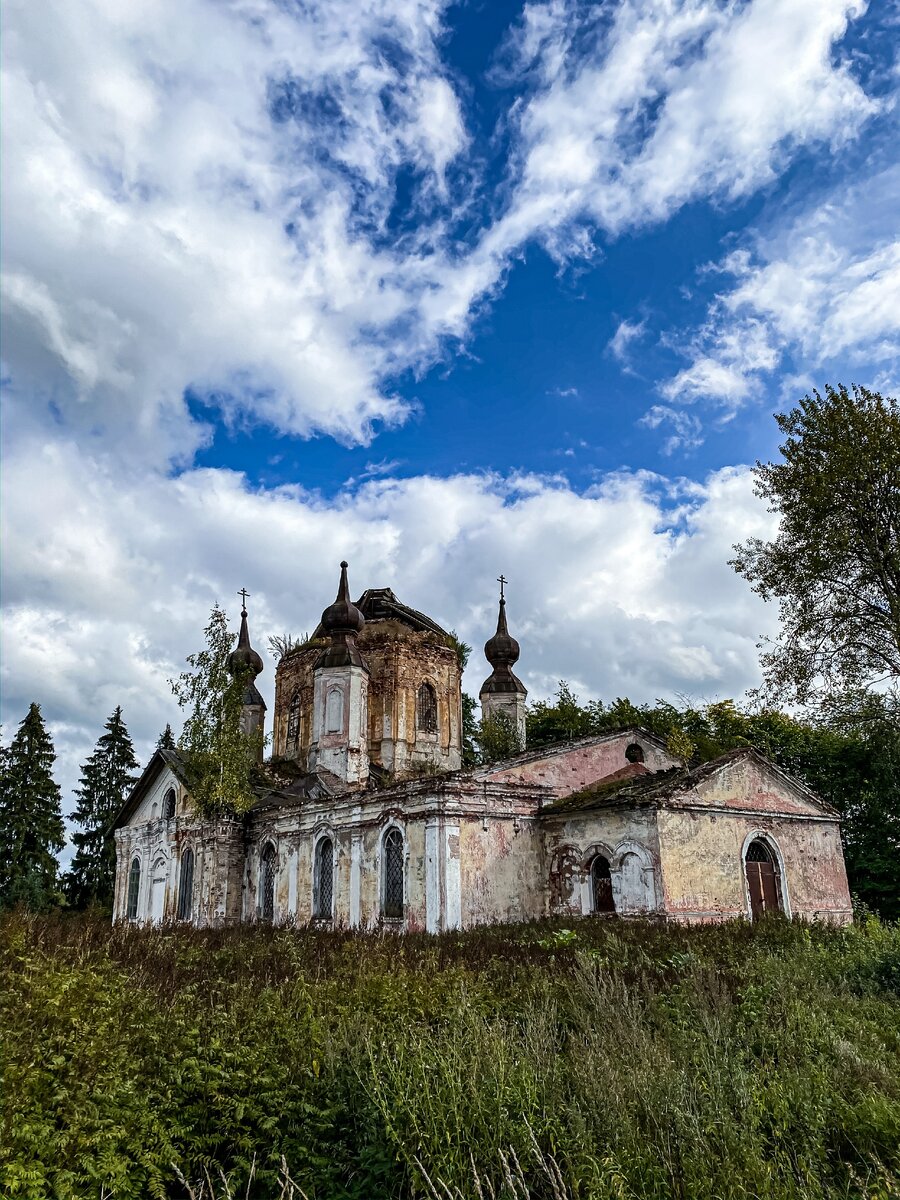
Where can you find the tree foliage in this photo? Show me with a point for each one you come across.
(218, 755)
(835, 565)
(166, 740)
(498, 737)
(31, 824)
(106, 778)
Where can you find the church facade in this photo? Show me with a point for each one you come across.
(367, 818)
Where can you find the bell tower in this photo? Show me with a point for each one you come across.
(502, 692)
(246, 664)
(340, 741)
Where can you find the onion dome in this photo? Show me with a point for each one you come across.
(243, 657)
(343, 616)
(502, 652)
(342, 621)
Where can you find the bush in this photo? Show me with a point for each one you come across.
(604, 1059)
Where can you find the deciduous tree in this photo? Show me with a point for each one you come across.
(218, 755)
(835, 565)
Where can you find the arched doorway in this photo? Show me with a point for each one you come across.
(601, 886)
(761, 871)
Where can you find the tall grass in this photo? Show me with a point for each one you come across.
(606, 1059)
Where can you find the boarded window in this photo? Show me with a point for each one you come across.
(427, 710)
(601, 886)
(169, 804)
(134, 887)
(186, 887)
(334, 711)
(762, 879)
(323, 880)
(392, 906)
(267, 884)
(293, 721)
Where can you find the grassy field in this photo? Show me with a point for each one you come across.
(602, 1059)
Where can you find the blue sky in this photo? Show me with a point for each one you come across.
(445, 290)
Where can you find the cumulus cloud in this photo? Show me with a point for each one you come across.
(823, 288)
(224, 222)
(109, 577)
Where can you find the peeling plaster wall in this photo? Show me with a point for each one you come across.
(619, 834)
(399, 661)
(568, 769)
(218, 848)
(501, 870)
(702, 837)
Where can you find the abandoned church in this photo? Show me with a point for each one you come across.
(369, 819)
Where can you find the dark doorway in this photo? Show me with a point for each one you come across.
(601, 886)
(762, 879)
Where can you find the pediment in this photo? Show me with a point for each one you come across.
(746, 781)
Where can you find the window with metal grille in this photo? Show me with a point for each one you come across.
(267, 884)
(186, 886)
(427, 709)
(323, 880)
(134, 886)
(392, 905)
(293, 721)
(758, 852)
(601, 885)
(169, 804)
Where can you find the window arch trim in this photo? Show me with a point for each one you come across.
(268, 880)
(393, 873)
(133, 889)
(185, 909)
(324, 873)
(427, 708)
(781, 882)
(170, 801)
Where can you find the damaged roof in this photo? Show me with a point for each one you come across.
(380, 604)
(645, 787)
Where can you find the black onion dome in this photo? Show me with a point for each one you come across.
(243, 657)
(343, 616)
(502, 651)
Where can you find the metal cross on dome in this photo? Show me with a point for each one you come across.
(243, 593)
(503, 581)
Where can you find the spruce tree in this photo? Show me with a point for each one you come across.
(166, 740)
(31, 824)
(106, 779)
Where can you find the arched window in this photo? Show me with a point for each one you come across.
(293, 721)
(267, 884)
(634, 753)
(761, 871)
(426, 709)
(601, 886)
(392, 868)
(186, 887)
(334, 711)
(134, 886)
(169, 804)
(323, 880)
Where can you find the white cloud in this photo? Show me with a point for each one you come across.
(669, 102)
(824, 288)
(109, 577)
(620, 343)
(686, 427)
(219, 220)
